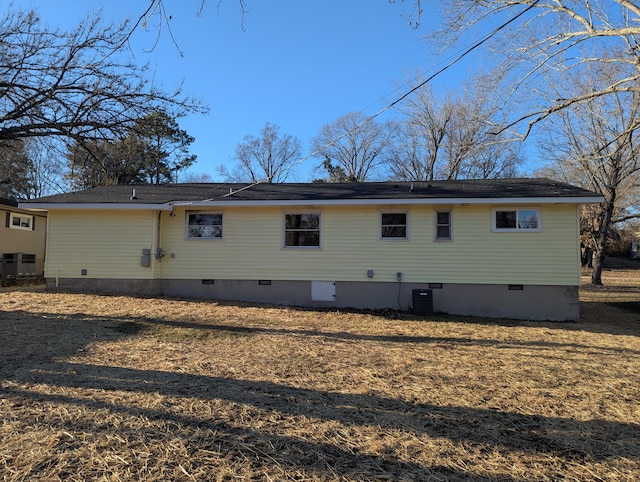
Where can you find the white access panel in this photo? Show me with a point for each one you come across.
(323, 291)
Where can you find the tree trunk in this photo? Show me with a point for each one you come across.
(598, 259)
(600, 241)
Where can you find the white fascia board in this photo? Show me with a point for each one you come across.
(306, 202)
(368, 202)
(21, 210)
(95, 206)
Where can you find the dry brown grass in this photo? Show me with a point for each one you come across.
(117, 388)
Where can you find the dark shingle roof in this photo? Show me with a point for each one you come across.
(8, 202)
(220, 192)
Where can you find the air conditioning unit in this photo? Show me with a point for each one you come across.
(18, 265)
(422, 301)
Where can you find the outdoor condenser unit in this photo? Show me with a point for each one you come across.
(19, 265)
(422, 302)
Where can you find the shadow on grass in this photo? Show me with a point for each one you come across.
(632, 306)
(570, 440)
(239, 443)
(598, 440)
(24, 367)
(172, 330)
(609, 318)
(609, 326)
(184, 330)
(145, 326)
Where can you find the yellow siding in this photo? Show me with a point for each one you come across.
(107, 244)
(251, 248)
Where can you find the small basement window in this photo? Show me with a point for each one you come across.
(203, 225)
(393, 226)
(20, 221)
(516, 220)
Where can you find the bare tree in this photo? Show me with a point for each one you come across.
(475, 148)
(197, 177)
(452, 137)
(27, 171)
(536, 41)
(156, 12)
(356, 144)
(269, 157)
(103, 163)
(497, 159)
(423, 131)
(73, 85)
(46, 173)
(15, 166)
(595, 144)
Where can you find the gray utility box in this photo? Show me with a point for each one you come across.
(18, 265)
(422, 301)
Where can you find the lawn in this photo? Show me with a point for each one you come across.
(120, 388)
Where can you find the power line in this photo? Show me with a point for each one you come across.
(447, 66)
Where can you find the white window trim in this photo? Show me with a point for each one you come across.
(435, 225)
(13, 216)
(516, 229)
(393, 211)
(186, 226)
(284, 229)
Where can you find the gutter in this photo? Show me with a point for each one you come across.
(168, 206)
(95, 206)
(383, 201)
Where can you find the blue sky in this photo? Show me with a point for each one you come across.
(298, 64)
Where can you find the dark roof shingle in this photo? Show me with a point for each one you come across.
(456, 189)
(8, 202)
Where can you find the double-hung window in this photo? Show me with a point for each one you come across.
(516, 219)
(393, 225)
(302, 230)
(204, 225)
(443, 225)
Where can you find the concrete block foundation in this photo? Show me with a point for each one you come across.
(526, 302)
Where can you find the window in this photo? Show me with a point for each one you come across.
(302, 230)
(204, 225)
(393, 226)
(443, 225)
(20, 221)
(516, 220)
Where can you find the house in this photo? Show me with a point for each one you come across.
(22, 241)
(496, 248)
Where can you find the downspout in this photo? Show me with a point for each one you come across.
(156, 268)
(159, 251)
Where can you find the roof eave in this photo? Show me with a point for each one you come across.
(96, 206)
(305, 202)
(402, 201)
